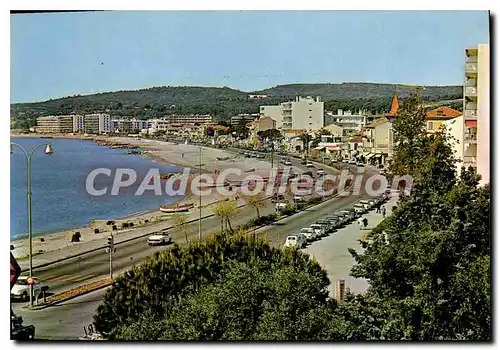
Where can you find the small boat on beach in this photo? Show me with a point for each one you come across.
(176, 208)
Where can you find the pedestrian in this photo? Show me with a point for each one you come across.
(378, 208)
(360, 222)
(383, 211)
(365, 222)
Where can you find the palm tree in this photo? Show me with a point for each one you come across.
(306, 140)
(226, 210)
(255, 201)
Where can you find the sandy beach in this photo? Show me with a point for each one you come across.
(185, 156)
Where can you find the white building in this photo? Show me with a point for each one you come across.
(78, 122)
(303, 113)
(273, 112)
(350, 122)
(477, 110)
(138, 124)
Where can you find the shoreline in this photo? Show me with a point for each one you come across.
(161, 152)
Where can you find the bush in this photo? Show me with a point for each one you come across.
(125, 225)
(131, 224)
(114, 228)
(160, 280)
(96, 230)
(75, 238)
(110, 222)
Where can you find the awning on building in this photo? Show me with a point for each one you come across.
(378, 156)
(333, 148)
(471, 123)
(319, 148)
(369, 155)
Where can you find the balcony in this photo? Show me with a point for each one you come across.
(470, 161)
(471, 68)
(470, 91)
(470, 114)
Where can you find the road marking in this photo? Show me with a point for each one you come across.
(69, 278)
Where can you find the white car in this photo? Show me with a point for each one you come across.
(294, 241)
(160, 238)
(299, 199)
(318, 229)
(360, 208)
(281, 206)
(21, 289)
(320, 171)
(287, 162)
(366, 203)
(309, 165)
(309, 233)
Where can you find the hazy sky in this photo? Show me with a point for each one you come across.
(56, 55)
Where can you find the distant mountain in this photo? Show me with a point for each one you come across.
(347, 91)
(222, 102)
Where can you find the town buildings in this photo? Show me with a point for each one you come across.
(246, 118)
(190, 119)
(350, 122)
(96, 123)
(62, 124)
(476, 107)
(273, 112)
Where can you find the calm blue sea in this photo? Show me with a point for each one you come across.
(60, 200)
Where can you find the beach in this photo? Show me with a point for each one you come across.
(185, 156)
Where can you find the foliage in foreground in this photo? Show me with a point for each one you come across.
(160, 281)
(249, 301)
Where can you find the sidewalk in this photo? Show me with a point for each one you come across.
(332, 254)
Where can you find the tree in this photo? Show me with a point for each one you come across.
(256, 201)
(317, 137)
(226, 210)
(179, 222)
(249, 301)
(152, 289)
(429, 262)
(306, 140)
(271, 134)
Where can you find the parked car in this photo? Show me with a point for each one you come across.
(345, 217)
(303, 162)
(334, 221)
(294, 241)
(21, 289)
(327, 224)
(353, 212)
(309, 165)
(318, 229)
(160, 238)
(352, 161)
(310, 233)
(366, 203)
(359, 164)
(288, 162)
(348, 213)
(339, 218)
(360, 208)
(320, 171)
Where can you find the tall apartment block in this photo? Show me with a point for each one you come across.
(476, 109)
(340, 289)
(61, 124)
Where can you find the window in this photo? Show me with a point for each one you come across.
(430, 125)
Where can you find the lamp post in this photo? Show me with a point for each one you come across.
(48, 151)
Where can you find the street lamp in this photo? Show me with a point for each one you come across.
(48, 151)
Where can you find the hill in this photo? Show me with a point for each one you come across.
(222, 102)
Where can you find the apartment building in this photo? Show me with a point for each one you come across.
(190, 119)
(350, 122)
(97, 123)
(303, 113)
(55, 124)
(273, 112)
(138, 124)
(78, 122)
(247, 118)
(121, 125)
(476, 107)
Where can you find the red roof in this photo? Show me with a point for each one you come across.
(443, 112)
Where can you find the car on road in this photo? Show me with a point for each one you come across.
(287, 162)
(320, 171)
(299, 199)
(366, 203)
(281, 206)
(309, 165)
(160, 238)
(277, 198)
(310, 233)
(345, 217)
(338, 218)
(334, 161)
(320, 230)
(352, 161)
(303, 162)
(350, 214)
(360, 208)
(359, 164)
(295, 241)
(327, 224)
(334, 221)
(21, 289)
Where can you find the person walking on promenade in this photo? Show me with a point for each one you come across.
(383, 211)
(360, 222)
(365, 222)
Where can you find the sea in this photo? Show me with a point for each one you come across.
(60, 200)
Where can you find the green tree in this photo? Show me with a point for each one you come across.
(271, 134)
(255, 201)
(306, 141)
(317, 137)
(180, 224)
(226, 210)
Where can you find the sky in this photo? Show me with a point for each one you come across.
(62, 54)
